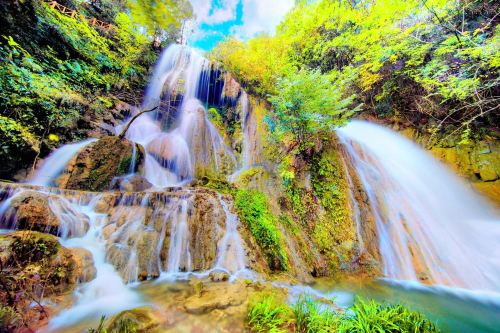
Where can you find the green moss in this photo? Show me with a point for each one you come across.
(219, 185)
(334, 233)
(215, 117)
(254, 212)
(124, 166)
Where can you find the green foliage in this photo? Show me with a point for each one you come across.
(34, 249)
(314, 317)
(368, 317)
(253, 210)
(14, 136)
(161, 15)
(307, 104)
(215, 117)
(9, 317)
(267, 314)
(318, 316)
(431, 60)
(52, 79)
(125, 325)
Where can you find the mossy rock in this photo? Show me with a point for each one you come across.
(41, 255)
(32, 247)
(95, 167)
(139, 320)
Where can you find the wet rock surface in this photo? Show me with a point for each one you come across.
(95, 167)
(32, 212)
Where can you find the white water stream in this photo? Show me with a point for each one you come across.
(432, 227)
(55, 163)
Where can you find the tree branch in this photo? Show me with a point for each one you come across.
(122, 134)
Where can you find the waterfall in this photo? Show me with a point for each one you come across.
(55, 163)
(179, 257)
(192, 142)
(432, 227)
(250, 143)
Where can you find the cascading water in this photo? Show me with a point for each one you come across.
(250, 144)
(55, 163)
(106, 293)
(190, 143)
(431, 226)
(231, 254)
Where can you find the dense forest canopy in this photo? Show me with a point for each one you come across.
(431, 62)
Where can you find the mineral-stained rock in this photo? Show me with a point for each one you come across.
(206, 226)
(33, 212)
(216, 298)
(133, 183)
(99, 163)
(146, 244)
(84, 269)
(218, 276)
(142, 320)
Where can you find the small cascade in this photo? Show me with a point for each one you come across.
(106, 293)
(431, 226)
(246, 128)
(230, 252)
(179, 256)
(250, 144)
(7, 218)
(55, 163)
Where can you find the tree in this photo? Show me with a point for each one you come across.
(307, 104)
(159, 16)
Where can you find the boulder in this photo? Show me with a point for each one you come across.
(139, 320)
(95, 167)
(218, 275)
(132, 183)
(41, 255)
(84, 269)
(33, 212)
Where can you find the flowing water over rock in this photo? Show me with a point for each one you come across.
(55, 163)
(188, 146)
(176, 234)
(431, 226)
